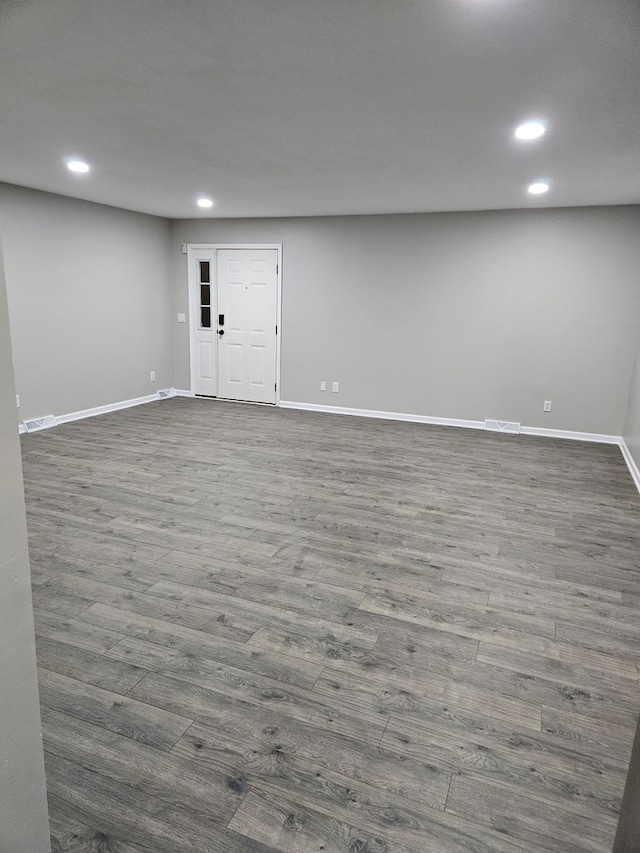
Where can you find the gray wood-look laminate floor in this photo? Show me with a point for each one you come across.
(265, 630)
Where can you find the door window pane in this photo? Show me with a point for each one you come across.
(205, 317)
(205, 294)
(205, 274)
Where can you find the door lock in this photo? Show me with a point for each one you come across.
(221, 332)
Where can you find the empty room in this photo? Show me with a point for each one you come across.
(320, 426)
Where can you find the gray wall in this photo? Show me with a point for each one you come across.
(24, 826)
(89, 300)
(631, 431)
(462, 315)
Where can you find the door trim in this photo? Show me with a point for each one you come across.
(193, 249)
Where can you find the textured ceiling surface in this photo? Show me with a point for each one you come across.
(304, 107)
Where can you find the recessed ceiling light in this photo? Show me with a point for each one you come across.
(204, 202)
(538, 188)
(530, 130)
(75, 165)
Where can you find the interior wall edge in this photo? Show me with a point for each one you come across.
(634, 470)
(23, 801)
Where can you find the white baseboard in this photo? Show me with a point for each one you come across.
(598, 438)
(103, 410)
(571, 435)
(454, 422)
(595, 437)
(387, 416)
(631, 463)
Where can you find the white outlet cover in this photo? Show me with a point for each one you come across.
(182, 318)
(335, 387)
(323, 385)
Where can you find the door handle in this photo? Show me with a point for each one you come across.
(221, 332)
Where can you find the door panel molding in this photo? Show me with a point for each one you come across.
(247, 290)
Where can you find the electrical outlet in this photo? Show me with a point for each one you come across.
(335, 387)
(182, 318)
(547, 406)
(152, 376)
(323, 385)
(17, 401)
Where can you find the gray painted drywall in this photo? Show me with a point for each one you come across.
(461, 315)
(24, 825)
(89, 300)
(631, 433)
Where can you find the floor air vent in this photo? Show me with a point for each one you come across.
(168, 392)
(40, 423)
(502, 426)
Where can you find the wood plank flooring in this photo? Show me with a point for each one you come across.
(264, 630)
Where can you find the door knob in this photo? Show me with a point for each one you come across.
(221, 332)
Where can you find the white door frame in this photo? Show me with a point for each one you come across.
(193, 249)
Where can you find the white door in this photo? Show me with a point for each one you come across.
(246, 315)
(205, 362)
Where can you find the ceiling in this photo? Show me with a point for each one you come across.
(305, 107)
